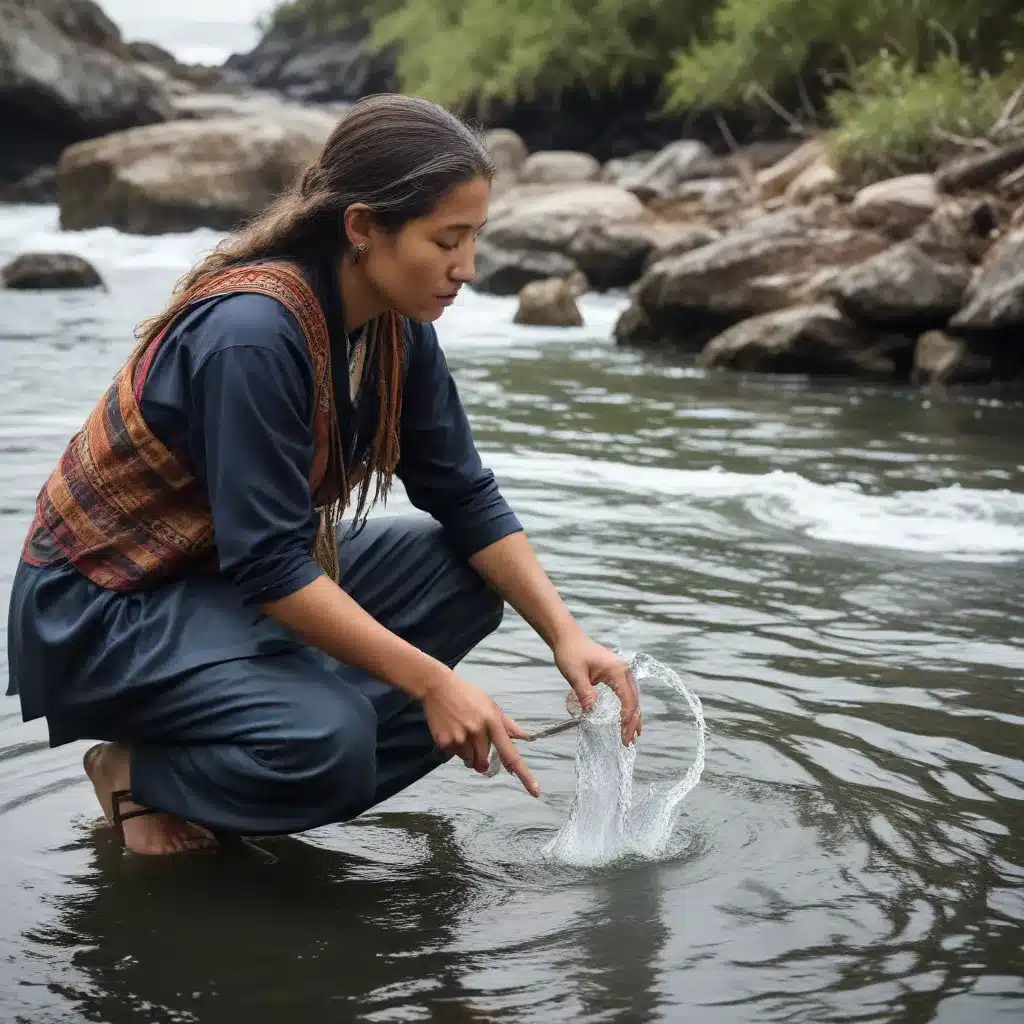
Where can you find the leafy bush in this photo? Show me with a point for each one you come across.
(896, 120)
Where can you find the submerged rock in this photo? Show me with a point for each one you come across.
(942, 359)
(813, 340)
(549, 303)
(48, 271)
(187, 174)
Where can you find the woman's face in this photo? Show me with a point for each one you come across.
(419, 271)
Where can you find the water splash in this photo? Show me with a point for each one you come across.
(605, 823)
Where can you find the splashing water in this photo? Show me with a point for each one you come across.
(605, 824)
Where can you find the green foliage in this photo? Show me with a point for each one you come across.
(896, 120)
(460, 51)
(905, 66)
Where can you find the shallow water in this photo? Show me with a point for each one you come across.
(836, 572)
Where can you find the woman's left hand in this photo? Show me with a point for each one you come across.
(585, 663)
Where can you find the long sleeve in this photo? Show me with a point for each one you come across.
(251, 443)
(439, 463)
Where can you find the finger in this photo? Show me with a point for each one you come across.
(629, 697)
(513, 728)
(481, 750)
(584, 690)
(513, 760)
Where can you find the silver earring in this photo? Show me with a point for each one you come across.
(360, 249)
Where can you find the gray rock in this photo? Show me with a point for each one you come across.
(770, 263)
(48, 271)
(809, 340)
(897, 205)
(65, 75)
(904, 287)
(941, 359)
(507, 271)
(995, 299)
(507, 149)
(686, 239)
(187, 174)
(662, 175)
(548, 303)
(611, 256)
(556, 167)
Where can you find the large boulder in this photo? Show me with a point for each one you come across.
(813, 340)
(557, 167)
(995, 299)
(49, 271)
(773, 261)
(65, 76)
(661, 176)
(906, 287)
(897, 205)
(597, 228)
(186, 174)
(339, 66)
(548, 303)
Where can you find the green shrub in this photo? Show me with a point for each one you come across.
(896, 120)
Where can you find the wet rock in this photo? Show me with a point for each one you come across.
(548, 303)
(507, 271)
(995, 299)
(811, 340)
(558, 168)
(772, 262)
(186, 174)
(904, 287)
(662, 175)
(65, 75)
(942, 359)
(39, 187)
(898, 205)
(774, 180)
(49, 271)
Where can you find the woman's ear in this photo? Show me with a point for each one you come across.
(358, 225)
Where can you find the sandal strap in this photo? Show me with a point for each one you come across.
(120, 796)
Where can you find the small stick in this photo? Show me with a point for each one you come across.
(552, 730)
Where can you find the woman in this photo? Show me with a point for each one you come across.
(181, 593)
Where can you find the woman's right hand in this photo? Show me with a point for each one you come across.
(463, 720)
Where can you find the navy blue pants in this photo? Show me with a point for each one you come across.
(266, 735)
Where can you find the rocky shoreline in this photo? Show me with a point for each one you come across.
(761, 259)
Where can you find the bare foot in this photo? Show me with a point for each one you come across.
(108, 767)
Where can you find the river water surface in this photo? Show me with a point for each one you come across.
(835, 570)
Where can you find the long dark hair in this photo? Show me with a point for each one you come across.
(400, 156)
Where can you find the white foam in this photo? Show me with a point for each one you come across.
(37, 229)
(952, 522)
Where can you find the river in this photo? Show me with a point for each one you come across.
(834, 569)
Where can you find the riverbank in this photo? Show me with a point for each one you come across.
(764, 257)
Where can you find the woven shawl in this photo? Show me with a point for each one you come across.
(125, 510)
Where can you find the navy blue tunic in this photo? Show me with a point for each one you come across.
(231, 388)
